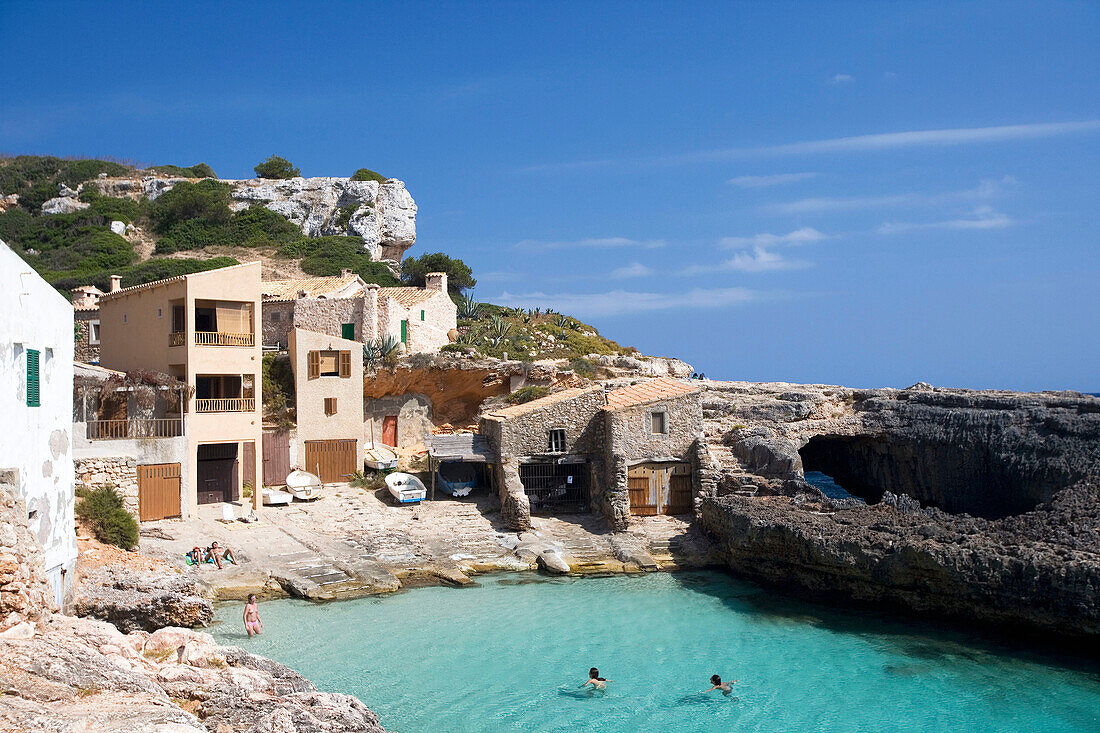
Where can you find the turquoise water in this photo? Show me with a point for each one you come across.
(511, 653)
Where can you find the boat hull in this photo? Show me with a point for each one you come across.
(406, 488)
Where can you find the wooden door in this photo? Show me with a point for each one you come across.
(158, 491)
(333, 461)
(660, 488)
(389, 430)
(679, 490)
(643, 498)
(276, 448)
(248, 467)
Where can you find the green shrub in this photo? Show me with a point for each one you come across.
(583, 367)
(344, 214)
(206, 200)
(101, 508)
(276, 167)
(369, 480)
(366, 174)
(199, 170)
(38, 194)
(116, 209)
(327, 256)
(526, 394)
(278, 389)
(459, 275)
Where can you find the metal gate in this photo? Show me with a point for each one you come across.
(276, 447)
(555, 487)
(332, 461)
(158, 491)
(660, 488)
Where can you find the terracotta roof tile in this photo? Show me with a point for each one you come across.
(315, 286)
(651, 391)
(407, 296)
(550, 399)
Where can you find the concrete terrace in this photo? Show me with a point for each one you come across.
(354, 542)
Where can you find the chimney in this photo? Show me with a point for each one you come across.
(116, 283)
(436, 281)
(371, 316)
(346, 273)
(303, 294)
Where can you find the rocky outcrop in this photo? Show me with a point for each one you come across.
(143, 601)
(25, 595)
(78, 675)
(63, 205)
(979, 504)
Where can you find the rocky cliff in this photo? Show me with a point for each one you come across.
(974, 504)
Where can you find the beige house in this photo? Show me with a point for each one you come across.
(202, 329)
(328, 382)
(420, 318)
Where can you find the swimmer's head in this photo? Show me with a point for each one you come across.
(593, 674)
(715, 679)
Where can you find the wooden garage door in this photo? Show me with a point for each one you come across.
(158, 491)
(643, 500)
(659, 488)
(679, 490)
(332, 461)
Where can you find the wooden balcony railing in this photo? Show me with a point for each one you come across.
(178, 338)
(171, 427)
(226, 404)
(223, 338)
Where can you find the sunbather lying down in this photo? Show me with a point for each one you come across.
(213, 554)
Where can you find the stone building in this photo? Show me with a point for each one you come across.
(36, 367)
(328, 384)
(637, 450)
(421, 319)
(85, 300)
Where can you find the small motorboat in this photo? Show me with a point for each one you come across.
(275, 497)
(406, 488)
(380, 457)
(456, 478)
(303, 485)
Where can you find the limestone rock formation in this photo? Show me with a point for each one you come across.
(973, 504)
(63, 205)
(79, 674)
(25, 596)
(140, 600)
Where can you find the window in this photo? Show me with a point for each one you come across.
(422, 315)
(347, 331)
(160, 313)
(658, 423)
(329, 364)
(557, 440)
(124, 318)
(93, 332)
(179, 325)
(32, 379)
(275, 316)
(330, 405)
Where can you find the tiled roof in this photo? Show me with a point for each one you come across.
(550, 399)
(407, 296)
(651, 391)
(315, 286)
(88, 307)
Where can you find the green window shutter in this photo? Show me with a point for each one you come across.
(33, 399)
(404, 332)
(422, 315)
(347, 330)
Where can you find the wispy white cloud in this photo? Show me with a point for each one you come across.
(758, 260)
(624, 302)
(775, 179)
(856, 143)
(842, 79)
(983, 217)
(805, 235)
(635, 269)
(497, 276)
(591, 243)
(986, 189)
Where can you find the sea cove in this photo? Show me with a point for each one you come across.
(512, 652)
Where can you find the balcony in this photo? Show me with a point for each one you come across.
(226, 404)
(171, 427)
(213, 338)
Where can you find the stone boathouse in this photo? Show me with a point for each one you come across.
(636, 450)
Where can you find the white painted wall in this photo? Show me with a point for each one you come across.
(37, 441)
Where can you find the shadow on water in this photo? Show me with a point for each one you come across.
(895, 630)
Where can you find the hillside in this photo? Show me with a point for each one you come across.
(78, 222)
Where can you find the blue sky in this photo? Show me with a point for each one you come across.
(858, 193)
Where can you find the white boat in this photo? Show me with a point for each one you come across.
(380, 457)
(274, 497)
(406, 488)
(303, 485)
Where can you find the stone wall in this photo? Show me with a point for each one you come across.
(120, 472)
(320, 315)
(278, 319)
(86, 351)
(25, 594)
(414, 418)
(429, 335)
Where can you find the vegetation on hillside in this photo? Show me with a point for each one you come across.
(102, 510)
(199, 170)
(459, 275)
(36, 177)
(366, 174)
(276, 167)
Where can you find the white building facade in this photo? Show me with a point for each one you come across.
(36, 361)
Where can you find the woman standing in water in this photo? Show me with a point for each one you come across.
(252, 622)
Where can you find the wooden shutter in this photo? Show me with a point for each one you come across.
(33, 397)
(330, 405)
(347, 330)
(345, 364)
(314, 361)
(404, 332)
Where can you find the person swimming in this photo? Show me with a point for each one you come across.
(595, 680)
(252, 622)
(717, 684)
